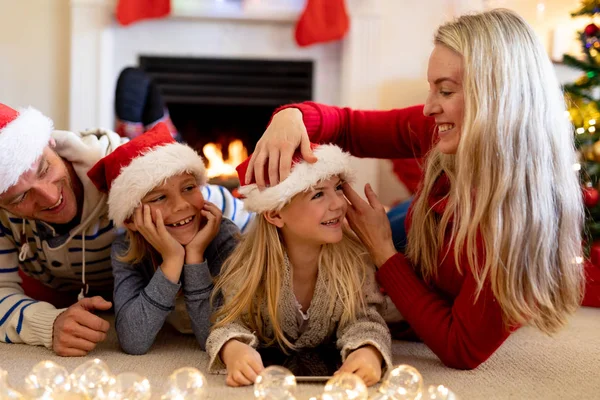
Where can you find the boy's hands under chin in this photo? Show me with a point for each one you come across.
(171, 251)
(194, 250)
(243, 363)
(364, 362)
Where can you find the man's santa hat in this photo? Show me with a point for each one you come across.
(137, 167)
(23, 136)
(331, 161)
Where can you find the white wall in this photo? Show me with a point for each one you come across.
(34, 56)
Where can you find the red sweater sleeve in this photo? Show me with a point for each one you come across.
(399, 133)
(460, 333)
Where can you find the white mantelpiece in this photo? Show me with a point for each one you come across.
(100, 49)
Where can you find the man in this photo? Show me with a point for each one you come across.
(54, 228)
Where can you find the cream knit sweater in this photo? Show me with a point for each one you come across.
(323, 325)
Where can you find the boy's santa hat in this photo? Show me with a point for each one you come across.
(331, 161)
(24, 134)
(135, 168)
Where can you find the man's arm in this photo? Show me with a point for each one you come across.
(22, 319)
(232, 208)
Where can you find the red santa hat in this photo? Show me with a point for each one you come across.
(23, 136)
(135, 168)
(331, 161)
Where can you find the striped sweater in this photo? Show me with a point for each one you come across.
(58, 260)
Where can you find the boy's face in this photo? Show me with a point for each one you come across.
(45, 192)
(316, 216)
(180, 201)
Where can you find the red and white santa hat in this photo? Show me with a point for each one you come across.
(23, 136)
(135, 168)
(331, 161)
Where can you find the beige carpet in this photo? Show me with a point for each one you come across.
(528, 366)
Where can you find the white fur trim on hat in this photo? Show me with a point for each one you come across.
(331, 161)
(22, 142)
(148, 171)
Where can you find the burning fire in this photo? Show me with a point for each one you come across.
(217, 166)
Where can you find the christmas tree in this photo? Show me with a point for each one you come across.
(583, 97)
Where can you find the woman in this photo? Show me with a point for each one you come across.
(494, 232)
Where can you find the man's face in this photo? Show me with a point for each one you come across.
(44, 192)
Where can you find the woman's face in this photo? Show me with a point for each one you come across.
(445, 101)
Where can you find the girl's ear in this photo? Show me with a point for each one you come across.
(274, 218)
(129, 224)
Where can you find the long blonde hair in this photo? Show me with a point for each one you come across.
(513, 186)
(252, 277)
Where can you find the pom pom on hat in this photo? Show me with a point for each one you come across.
(135, 168)
(331, 161)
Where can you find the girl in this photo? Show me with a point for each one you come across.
(495, 236)
(175, 240)
(298, 279)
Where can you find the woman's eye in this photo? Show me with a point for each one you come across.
(339, 187)
(156, 199)
(316, 196)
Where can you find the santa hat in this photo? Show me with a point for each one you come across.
(331, 161)
(135, 168)
(24, 134)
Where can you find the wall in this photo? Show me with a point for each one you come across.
(34, 48)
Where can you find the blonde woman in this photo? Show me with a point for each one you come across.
(298, 280)
(494, 233)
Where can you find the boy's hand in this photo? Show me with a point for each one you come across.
(194, 250)
(243, 363)
(156, 234)
(364, 362)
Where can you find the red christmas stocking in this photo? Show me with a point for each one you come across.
(130, 11)
(322, 21)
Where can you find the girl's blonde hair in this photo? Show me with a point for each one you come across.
(513, 185)
(252, 277)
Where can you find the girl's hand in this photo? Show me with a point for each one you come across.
(194, 250)
(370, 223)
(364, 362)
(156, 234)
(275, 149)
(243, 363)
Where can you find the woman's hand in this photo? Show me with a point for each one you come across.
(243, 363)
(364, 362)
(194, 250)
(283, 136)
(156, 234)
(370, 223)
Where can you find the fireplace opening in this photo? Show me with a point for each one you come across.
(221, 107)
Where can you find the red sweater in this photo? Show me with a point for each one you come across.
(460, 332)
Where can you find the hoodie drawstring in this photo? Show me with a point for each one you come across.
(85, 288)
(25, 250)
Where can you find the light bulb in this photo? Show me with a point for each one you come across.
(275, 383)
(345, 386)
(185, 384)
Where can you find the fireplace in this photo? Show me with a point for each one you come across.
(343, 73)
(221, 106)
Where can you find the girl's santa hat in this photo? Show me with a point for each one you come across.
(331, 161)
(24, 134)
(135, 168)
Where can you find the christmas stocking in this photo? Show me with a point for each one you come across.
(322, 21)
(130, 11)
